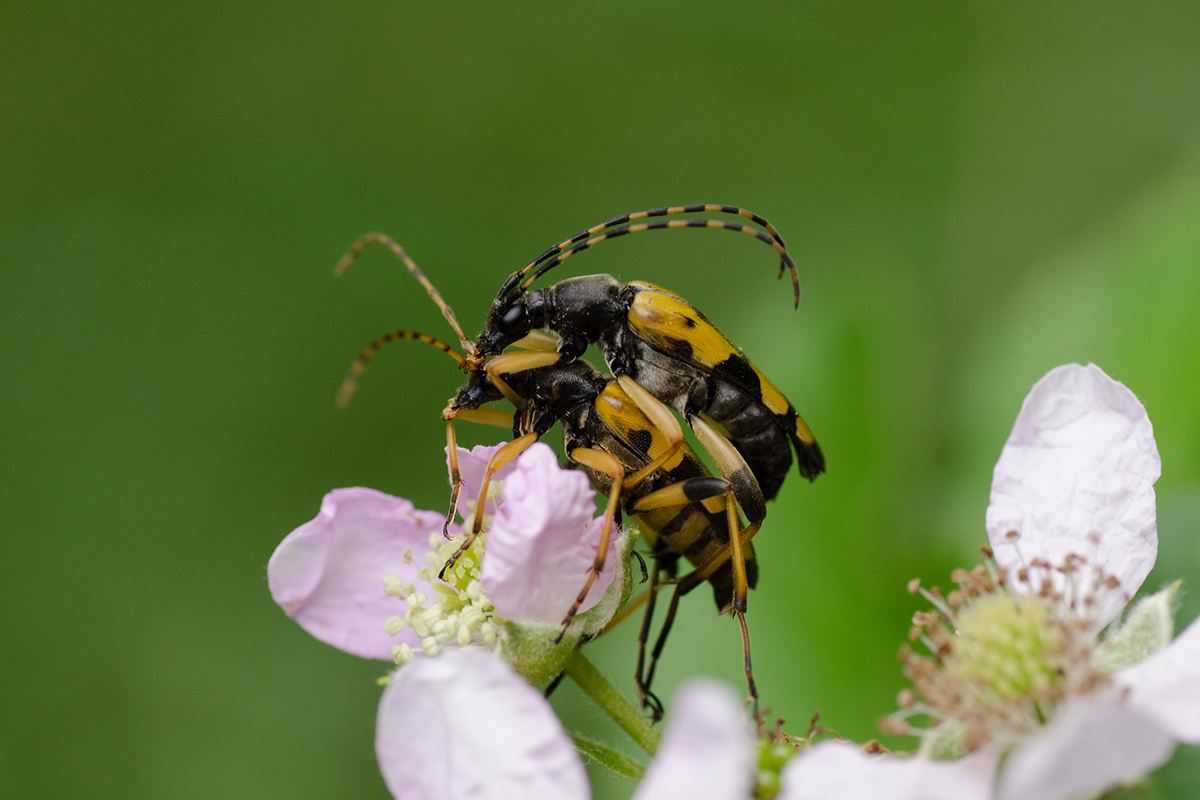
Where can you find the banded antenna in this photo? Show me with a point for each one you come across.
(350, 382)
(368, 239)
(619, 226)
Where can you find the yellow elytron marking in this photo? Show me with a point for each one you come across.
(803, 433)
(626, 420)
(659, 317)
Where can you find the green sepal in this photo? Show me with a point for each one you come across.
(946, 742)
(618, 764)
(1147, 628)
(531, 649)
(533, 653)
(591, 623)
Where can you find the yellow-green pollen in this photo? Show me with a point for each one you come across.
(460, 612)
(1007, 645)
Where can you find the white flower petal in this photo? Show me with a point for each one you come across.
(1081, 460)
(543, 541)
(328, 573)
(464, 725)
(839, 770)
(1088, 748)
(1166, 686)
(706, 751)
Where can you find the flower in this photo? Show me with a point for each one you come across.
(466, 726)
(706, 750)
(1026, 701)
(341, 575)
(460, 723)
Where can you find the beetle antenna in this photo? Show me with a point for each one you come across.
(614, 233)
(710, 208)
(350, 383)
(366, 240)
(775, 240)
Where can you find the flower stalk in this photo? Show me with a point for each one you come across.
(604, 694)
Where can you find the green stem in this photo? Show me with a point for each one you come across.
(605, 695)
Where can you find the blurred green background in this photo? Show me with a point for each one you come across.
(974, 193)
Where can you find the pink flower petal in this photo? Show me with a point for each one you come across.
(839, 770)
(472, 465)
(464, 725)
(1166, 686)
(1085, 750)
(1081, 460)
(542, 542)
(328, 573)
(706, 752)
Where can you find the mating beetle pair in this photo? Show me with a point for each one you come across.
(663, 353)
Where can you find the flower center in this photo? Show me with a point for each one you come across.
(460, 612)
(1004, 651)
(1007, 647)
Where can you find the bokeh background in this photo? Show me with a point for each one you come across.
(974, 193)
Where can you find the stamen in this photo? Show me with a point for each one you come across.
(1001, 657)
(460, 612)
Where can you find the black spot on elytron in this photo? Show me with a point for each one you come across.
(737, 371)
(640, 441)
(688, 321)
(681, 348)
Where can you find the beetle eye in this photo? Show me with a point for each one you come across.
(513, 323)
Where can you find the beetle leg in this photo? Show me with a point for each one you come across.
(648, 698)
(484, 416)
(682, 587)
(517, 362)
(733, 468)
(536, 340)
(456, 479)
(739, 565)
(690, 491)
(686, 584)
(704, 571)
(498, 460)
(661, 417)
(606, 463)
(687, 491)
(750, 685)
(694, 490)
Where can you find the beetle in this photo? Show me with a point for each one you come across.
(632, 448)
(652, 335)
(660, 350)
(663, 342)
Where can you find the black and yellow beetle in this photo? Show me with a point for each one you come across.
(661, 350)
(632, 448)
(663, 342)
(651, 335)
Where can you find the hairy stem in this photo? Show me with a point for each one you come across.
(605, 695)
